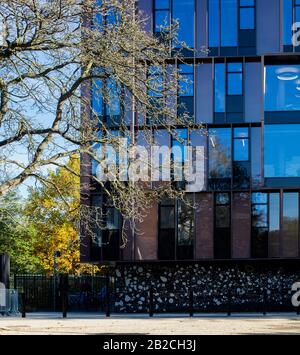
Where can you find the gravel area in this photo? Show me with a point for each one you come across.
(84, 324)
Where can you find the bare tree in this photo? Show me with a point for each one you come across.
(72, 73)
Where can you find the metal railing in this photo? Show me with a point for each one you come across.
(9, 302)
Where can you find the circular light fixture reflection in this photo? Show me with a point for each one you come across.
(287, 74)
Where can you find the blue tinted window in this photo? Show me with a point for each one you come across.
(282, 91)
(97, 99)
(229, 23)
(256, 159)
(161, 4)
(186, 86)
(162, 19)
(219, 153)
(290, 225)
(234, 79)
(235, 84)
(247, 18)
(213, 23)
(287, 21)
(241, 144)
(274, 211)
(183, 11)
(259, 197)
(247, 2)
(297, 13)
(219, 87)
(234, 67)
(282, 151)
(179, 139)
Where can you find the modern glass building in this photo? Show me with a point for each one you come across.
(246, 94)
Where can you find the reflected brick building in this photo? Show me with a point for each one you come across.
(246, 92)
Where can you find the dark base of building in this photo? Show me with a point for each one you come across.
(218, 286)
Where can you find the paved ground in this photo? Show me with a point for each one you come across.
(51, 323)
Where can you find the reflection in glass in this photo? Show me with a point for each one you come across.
(259, 247)
(282, 151)
(222, 237)
(247, 18)
(167, 217)
(290, 227)
(219, 158)
(256, 159)
(219, 87)
(274, 225)
(282, 88)
(183, 12)
(229, 23)
(287, 22)
(213, 23)
(185, 230)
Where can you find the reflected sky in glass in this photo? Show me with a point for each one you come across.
(282, 88)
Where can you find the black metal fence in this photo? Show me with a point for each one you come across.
(84, 293)
(100, 294)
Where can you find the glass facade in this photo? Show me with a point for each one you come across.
(222, 232)
(229, 93)
(182, 11)
(282, 151)
(231, 27)
(282, 88)
(291, 15)
(248, 100)
(176, 230)
(219, 172)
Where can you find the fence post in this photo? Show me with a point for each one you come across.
(151, 301)
(64, 301)
(265, 302)
(23, 304)
(191, 302)
(107, 295)
(229, 303)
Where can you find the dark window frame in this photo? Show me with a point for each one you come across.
(240, 48)
(173, 233)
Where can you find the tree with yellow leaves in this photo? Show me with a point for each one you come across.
(53, 210)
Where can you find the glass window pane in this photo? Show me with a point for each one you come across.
(259, 197)
(162, 19)
(247, 3)
(222, 217)
(213, 23)
(241, 132)
(290, 228)
(282, 88)
(161, 4)
(235, 84)
(167, 217)
(247, 18)
(112, 219)
(297, 14)
(97, 98)
(229, 23)
(282, 151)
(241, 150)
(219, 87)
(222, 199)
(260, 216)
(220, 152)
(256, 156)
(185, 224)
(234, 67)
(274, 224)
(183, 11)
(287, 21)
